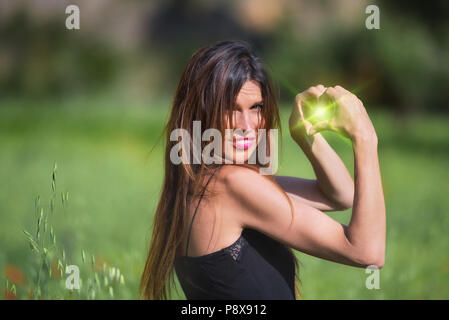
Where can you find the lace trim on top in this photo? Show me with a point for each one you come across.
(235, 250)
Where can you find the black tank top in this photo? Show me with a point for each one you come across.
(254, 267)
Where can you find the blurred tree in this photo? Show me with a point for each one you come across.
(402, 66)
(45, 59)
(180, 27)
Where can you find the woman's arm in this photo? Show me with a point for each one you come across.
(367, 228)
(262, 206)
(334, 188)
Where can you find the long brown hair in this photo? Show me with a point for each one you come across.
(206, 92)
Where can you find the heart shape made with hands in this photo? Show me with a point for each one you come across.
(318, 110)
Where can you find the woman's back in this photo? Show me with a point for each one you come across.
(253, 266)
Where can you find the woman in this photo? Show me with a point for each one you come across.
(226, 229)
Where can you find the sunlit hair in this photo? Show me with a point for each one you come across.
(207, 92)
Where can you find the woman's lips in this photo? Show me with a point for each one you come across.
(243, 143)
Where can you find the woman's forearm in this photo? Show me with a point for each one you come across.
(367, 228)
(333, 178)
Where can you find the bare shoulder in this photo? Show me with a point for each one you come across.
(240, 180)
(235, 175)
(253, 192)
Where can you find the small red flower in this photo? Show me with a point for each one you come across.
(14, 275)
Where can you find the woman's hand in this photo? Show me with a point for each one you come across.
(349, 118)
(299, 126)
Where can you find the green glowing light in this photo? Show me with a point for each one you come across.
(320, 112)
(315, 113)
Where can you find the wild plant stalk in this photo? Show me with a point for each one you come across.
(10, 290)
(45, 246)
(39, 243)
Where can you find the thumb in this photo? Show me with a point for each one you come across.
(317, 127)
(307, 125)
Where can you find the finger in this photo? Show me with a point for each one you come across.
(314, 91)
(307, 98)
(337, 87)
(341, 89)
(297, 105)
(321, 88)
(328, 97)
(299, 97)
(331, 97)
(343, 92)
(332, 125)
(310, 97)
(307, 125)
(333, 92)
(320, 126)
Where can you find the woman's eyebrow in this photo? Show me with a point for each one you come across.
(252, 105)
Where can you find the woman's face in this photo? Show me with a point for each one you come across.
(247, 118)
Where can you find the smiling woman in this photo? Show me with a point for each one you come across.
(240, 244)
(225, 87)
(241, 139)
(246, 120)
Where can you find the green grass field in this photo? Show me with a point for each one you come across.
(102, 150)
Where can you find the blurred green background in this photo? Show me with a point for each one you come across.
(95, 100)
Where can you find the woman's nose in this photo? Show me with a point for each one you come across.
(245, 120)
